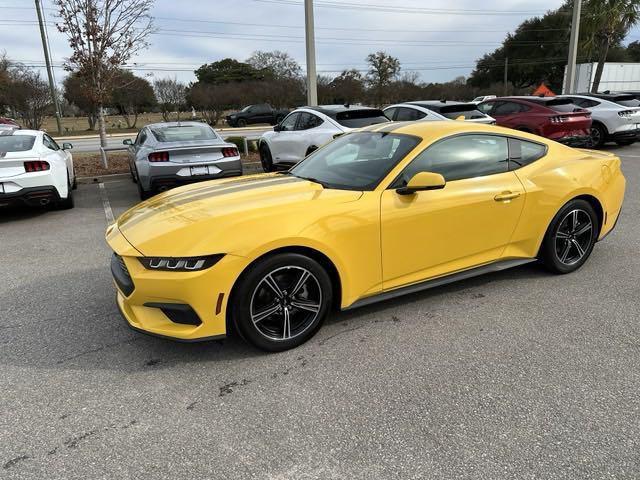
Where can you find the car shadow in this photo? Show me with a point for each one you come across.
(19, 213)
(86, 331)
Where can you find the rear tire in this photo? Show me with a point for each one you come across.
(66, 203)
(598, 135)
(570, 238)
(281, 301)
(142, 193)
(266, 159)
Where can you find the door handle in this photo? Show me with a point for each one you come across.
(506, 196)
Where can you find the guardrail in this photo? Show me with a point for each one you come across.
(245, 141)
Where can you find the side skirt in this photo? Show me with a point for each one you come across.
(437, 282)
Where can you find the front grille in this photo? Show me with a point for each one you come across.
(121, 275)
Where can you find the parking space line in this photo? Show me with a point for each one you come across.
(105, 204)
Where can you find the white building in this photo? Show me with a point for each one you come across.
(615, 77)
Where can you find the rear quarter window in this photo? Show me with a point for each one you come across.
(523, 152)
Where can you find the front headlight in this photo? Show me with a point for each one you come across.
(180, 264)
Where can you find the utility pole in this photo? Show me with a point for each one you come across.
(570, 80)
(312, 80)
(47, 61)
(506, 74)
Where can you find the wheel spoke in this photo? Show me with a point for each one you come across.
(286, 326)
(565, 252)
(311, 307)
(574, 220)
(562, 236)
(584, 229)
(301, 281)
(258, 317)
(269, 280)
(578, 247)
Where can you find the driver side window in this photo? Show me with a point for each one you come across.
(289, 123)
(457, 158)
(142, 137)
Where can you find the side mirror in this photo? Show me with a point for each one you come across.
(423, 181)
(127, 141)
(277, 128)
(67, 146)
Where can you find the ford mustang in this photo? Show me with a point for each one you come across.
(383, 211)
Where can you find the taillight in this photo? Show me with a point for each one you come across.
(36, 166)
(559, 119)
(230, 152)
(626, 113)
(159, 157)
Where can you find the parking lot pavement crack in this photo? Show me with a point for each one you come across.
(342, 332)
(14, 461)
(97, 349)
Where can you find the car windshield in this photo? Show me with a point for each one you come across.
(356, 161)
(183, 133)
(16, 143)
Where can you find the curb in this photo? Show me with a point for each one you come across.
(133, 134)
(101, 178)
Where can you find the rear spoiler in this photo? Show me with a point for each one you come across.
(458, 107)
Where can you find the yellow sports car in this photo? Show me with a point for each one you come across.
(386, 210)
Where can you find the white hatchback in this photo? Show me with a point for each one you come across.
(34, 170)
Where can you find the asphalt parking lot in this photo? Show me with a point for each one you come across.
(518, 374)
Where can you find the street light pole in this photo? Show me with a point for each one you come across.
(312, 80)
(570, 81)
(47, 62)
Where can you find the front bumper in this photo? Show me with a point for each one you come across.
(32, 197)
(146, 298)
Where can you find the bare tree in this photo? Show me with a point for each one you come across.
(103, 36)
(171, 95)
(27, 95)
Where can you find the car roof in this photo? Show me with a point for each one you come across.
(176, 124)
(333, 110)
(613, 96)
(12, 131)
(603, 101)
(439, 129)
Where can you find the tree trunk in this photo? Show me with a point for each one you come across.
(91, 118)
(102, 127)
(602, 58)
(135, 119)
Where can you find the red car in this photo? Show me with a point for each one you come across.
(8, 121)
(550, 117)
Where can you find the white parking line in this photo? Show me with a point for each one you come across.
(106, 205)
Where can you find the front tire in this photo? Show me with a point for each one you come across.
(570, 237)
(266, 159)
(281, 302)
(241, 123)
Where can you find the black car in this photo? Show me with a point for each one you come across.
(259, 113)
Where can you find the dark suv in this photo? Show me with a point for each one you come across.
(554, 118)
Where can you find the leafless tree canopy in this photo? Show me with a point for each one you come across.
(103, 36)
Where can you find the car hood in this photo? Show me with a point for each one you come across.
(227, 216)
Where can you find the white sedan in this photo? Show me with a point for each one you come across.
(309, 128)
(34, 170)
(436, 110)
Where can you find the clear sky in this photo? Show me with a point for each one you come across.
(439, 39)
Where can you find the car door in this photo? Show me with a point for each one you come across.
(508, 114)
(314, 132)
(262, 113)
(282, 143)
(467, 223)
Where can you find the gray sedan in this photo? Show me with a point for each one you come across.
(175, 153)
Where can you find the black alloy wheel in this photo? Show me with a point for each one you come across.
(571, 237)
(282, 301)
